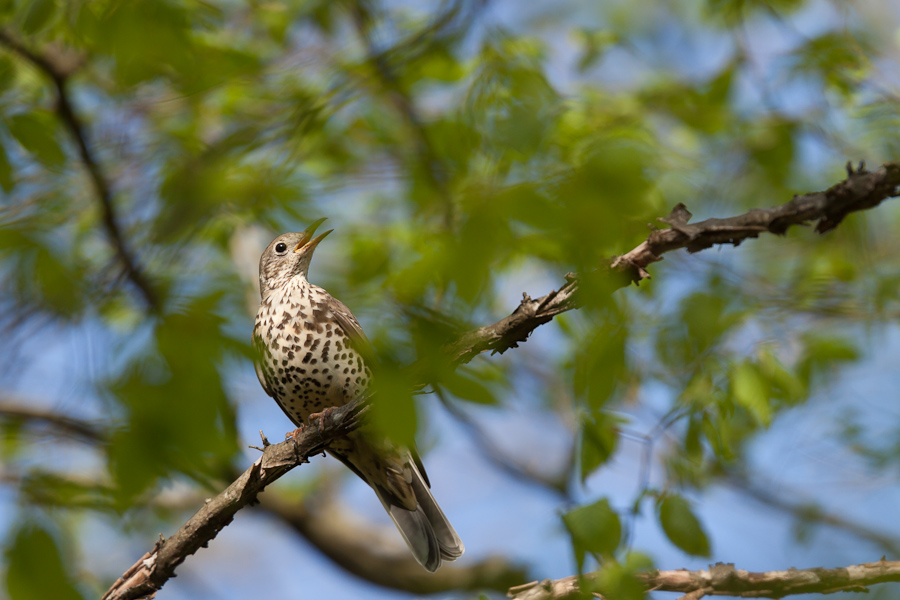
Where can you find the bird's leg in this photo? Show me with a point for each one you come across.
(324, 414)
(294, 433)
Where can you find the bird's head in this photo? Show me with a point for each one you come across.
(287, 257)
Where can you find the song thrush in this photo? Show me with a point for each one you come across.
(311, 355)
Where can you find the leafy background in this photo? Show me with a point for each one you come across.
(739, 407)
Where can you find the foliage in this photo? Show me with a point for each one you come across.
(454, 153)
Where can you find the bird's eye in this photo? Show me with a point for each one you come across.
(280, 247)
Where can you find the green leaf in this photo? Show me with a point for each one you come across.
(599, 439)
(751, 391)
(6, 174)
(38, 15)
(393, 413)
(682, 527)
(594, 529)
(467, 388)
(615, 581)
(600, 364)
(36, 132)
(35, 568)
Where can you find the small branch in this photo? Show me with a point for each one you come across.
(810, 512)
(18, 411)
(149, 574)
(860, 191)
(59, 76)
(403, 104)
(725, 580)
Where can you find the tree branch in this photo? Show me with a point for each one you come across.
(363, 551)
(725, 580)
(59, 76)
(150, 573)
(860, 191)
(16, 410)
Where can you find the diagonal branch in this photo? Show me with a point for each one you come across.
(151, 572)
(724, 580)
(59, 76)
(860, 191)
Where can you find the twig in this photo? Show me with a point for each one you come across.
(809, 511)
(18, 411)
(59, 76)
(402, 102)
(861, 190)
(725, 580)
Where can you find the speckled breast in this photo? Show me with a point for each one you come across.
(305, 356)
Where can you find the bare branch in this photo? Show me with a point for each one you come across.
(151, 572)
(725, 580)
(17, 410)
(861, 190)
(811, 512)
(59, 76)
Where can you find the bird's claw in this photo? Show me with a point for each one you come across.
(322, 416)
(295, 433)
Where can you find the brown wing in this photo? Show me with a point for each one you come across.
(361, 344)
(350, 326)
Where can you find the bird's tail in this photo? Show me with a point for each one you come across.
(426, 530)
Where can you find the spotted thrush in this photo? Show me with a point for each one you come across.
(313, 355)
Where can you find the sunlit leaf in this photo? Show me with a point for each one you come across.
(682, 527)
(594, 529)
(35, 568)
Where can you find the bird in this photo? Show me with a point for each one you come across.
(311, 355)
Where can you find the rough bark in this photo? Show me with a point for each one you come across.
(726, 580)
(861, 190)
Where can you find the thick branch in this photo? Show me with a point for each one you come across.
(152, 571)
(725, 580)
(861, 190)
(59, 76)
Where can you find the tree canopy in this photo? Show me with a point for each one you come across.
(736, 406)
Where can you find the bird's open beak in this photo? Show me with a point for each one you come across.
(308, 242)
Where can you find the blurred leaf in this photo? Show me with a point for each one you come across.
(594, 529)
(393, 413)
(840, 58)
(682, 527)
(36, 132)
(821, 355)
(468, 388)
(37, 15)
(752, 392)
(615, 581)
(600, 363)
(593, 45)
(35, 567)
(599, 439)
(6, 174)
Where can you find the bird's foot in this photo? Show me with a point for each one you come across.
(294, 433)
(324, 414)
